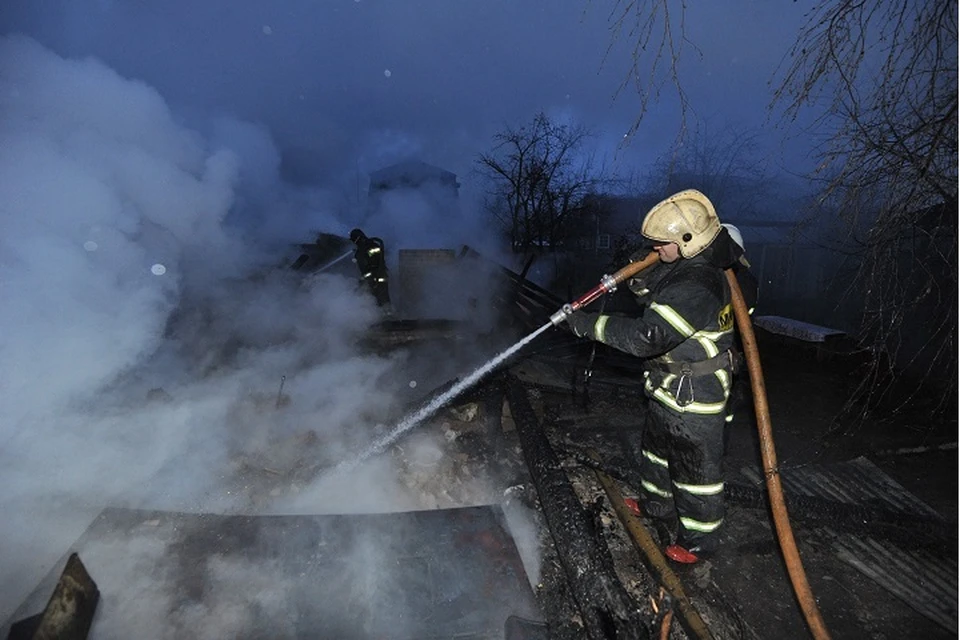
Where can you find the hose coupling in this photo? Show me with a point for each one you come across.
(609, 283)
(560, 316)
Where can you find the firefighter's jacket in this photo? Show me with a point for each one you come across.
(370, 259)
(686, 316)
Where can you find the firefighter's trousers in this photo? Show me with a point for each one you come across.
(681, 475)
(380, 291)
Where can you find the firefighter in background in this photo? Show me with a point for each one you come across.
(370, 259)
(745, 278)
(684, 331)
(750, 286)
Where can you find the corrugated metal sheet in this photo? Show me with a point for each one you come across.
(445, 573)
(925, 581)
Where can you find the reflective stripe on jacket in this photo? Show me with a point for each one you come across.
(370, 258)
(687, 317)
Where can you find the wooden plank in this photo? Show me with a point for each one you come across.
(606, 608)
(69, 612)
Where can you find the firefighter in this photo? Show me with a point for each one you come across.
(745, 278)
(750, 287)
(370, 259)
(684, 331)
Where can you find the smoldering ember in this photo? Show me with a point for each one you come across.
(500, 320)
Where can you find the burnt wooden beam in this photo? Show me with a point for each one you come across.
(654, 559)
(69, 612)
(605, 607)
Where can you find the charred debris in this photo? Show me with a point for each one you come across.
(556, 428)
(549, 433)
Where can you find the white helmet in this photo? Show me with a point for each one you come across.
(687, 218)
(734, 234)
(737, 237)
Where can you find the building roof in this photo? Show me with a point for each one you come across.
(622, 214)
(410, 173)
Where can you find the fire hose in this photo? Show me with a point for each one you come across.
(778, 506)
(768, 454)
(608, 284)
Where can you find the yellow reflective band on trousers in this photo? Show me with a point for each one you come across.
(702, 527)
(700, 489)
(702, 408)
(655, 459)
(654, 489)
(599, 326)
(367, 275)
(370, 252)
(674, 319)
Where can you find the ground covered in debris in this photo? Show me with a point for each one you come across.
(469, 453)
(744, 592)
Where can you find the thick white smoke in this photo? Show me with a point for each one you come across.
(144, 338)
(103, 198)
(99, 186)
(123, 296)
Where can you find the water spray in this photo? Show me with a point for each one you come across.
(434, 405)
(608, 284)
(335, 261)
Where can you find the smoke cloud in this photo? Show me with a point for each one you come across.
(151, 355)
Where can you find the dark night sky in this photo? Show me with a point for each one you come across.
(362, 83)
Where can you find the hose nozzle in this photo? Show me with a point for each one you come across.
(560, 316)
(607, 284)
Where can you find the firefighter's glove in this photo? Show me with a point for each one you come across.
(582, 323)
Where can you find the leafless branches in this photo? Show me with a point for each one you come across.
(658, 38)
(883, 76)
(723, 164)
(540, 178)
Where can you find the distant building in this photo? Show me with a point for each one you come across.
(607, 220)
(416, 175)
(413, 205)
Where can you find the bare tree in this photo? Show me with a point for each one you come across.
(657, 33)
(723, 162)
(540, 179)
(885, 75)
